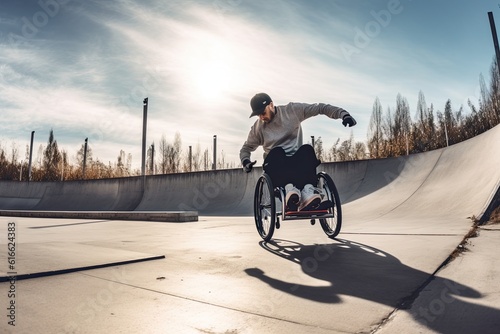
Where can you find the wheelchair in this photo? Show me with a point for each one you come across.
(270, 207)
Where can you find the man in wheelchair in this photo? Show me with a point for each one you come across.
(288, 163)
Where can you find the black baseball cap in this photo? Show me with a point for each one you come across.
(259, 102)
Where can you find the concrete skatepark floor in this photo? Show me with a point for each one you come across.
(218, 277)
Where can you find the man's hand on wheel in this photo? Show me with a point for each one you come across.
(348, 120)
(248, 165)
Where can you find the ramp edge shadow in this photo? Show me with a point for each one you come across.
(156, 216)
(11, 275)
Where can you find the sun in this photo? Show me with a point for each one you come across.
(213, 78)
(209, 69)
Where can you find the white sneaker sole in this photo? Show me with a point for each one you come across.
(310, 204)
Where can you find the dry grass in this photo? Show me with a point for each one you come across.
(474, 232)
(495, 217)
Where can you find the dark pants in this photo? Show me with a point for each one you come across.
(298, 169)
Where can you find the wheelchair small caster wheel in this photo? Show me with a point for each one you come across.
(277, 223)
(313, 221)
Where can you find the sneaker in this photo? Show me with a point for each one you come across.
(325, 203)
(292, 197)
(321, 192)
(310, 199)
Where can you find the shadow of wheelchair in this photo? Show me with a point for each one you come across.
(353, 269)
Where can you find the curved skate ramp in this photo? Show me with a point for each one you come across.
(462, 179)
(459, 181)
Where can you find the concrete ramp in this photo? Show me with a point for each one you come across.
(463, 178)
(357, 179)
(385, 184)
(459, 181)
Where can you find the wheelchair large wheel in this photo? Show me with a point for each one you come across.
(331, 226)
(265, 207)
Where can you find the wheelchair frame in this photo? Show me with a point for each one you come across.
(267, 218)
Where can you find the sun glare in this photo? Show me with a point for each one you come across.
(209, 70)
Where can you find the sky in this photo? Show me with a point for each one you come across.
(83, 68)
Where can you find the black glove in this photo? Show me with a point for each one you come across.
(348, 120)
(248, 165)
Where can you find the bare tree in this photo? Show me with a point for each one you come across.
(419, 128)
(345, 152)
(493, 111)
(150, 164)
(197, 158)
(388, 128)
(80, 155)
(431, 128)
(163, 152)
(402, 124)
(4, 163)
(176, 158)
(121, 165)
(360, 151)
(375, 131)
(207, 163)
(221, 163)
(318, 148)
(39, 157)
(170, 154)
(332, 153)
(14, 154)
(64, 164)
(51, 159)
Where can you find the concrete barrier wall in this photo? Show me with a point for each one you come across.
(469, 170)
(92, 195)
(21, 195)
(109, 195)
(224, 192)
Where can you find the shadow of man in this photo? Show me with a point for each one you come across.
(358, 270)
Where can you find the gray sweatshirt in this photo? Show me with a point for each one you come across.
(285, 130)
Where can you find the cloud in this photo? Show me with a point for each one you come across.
(86, 72)
(199, 66)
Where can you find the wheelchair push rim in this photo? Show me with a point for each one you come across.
(332, 225)
(265, 207)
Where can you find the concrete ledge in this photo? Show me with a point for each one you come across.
(158, 216)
